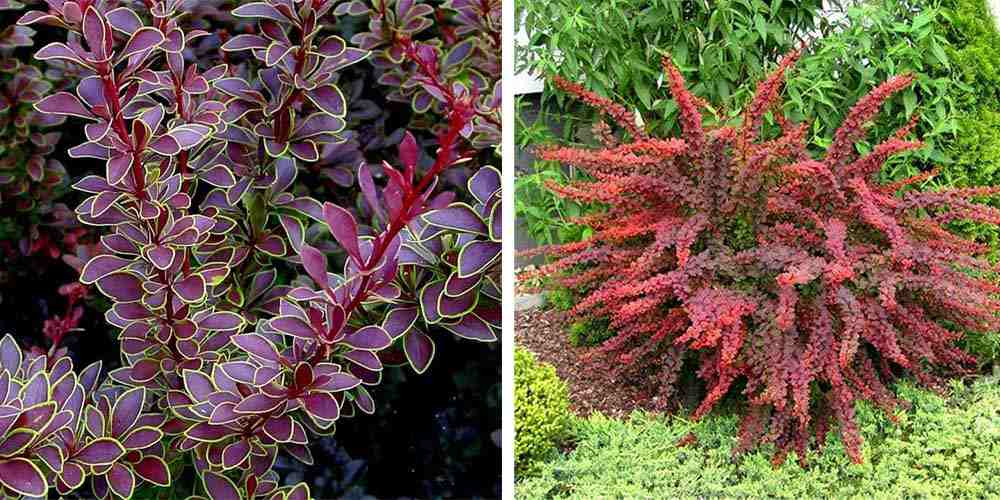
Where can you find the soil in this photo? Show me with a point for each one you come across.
(543, 332)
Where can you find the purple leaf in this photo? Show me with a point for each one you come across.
(272, 245)
(118, 167)
(258, 403)
(365, 359)
(96, 33)
(293, 326)
(143, 39)
(496, 222)
(279, 428)
(451, 307)
(224, 413)
(484, 183)
(121, 480)
(476, 256)
(92, 184)
(419, 350)
(275, 53)
(123, 287)
(332, 46)
(259, 9)
(160, 256)
(235, 454)
(337, 382)
(295, 232)
(23, 477)
(456, 286)
(472, 327)
(409, 154)
(367, 185)
(429, 299)
(299, 492)
(100, 266)
(219, 176)
(57, 50)
(329, 99)
(221, 320)
(258, 346)
(244, 42)
(364, 400)
(190, 135)
(10, 354)
(315, 264)
(370, 338)
(124, 19)
(101, 451)
(142, 438)
(322, 405)
(198, 385)
(153, 469)
(126, 411)
(204, 431)
(459, 217)
(459, 52)
(16, 442)
(165, 145)
(191, 289)
(219, 487)
(399, 320)
(63, 103)
(344, 229)
(72, 474)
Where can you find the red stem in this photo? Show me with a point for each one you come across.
(432, 75)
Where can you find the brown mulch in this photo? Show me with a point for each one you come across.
(543, 332)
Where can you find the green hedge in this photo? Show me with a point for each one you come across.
(941, 448)
(541, 412)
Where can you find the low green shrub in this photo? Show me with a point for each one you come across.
(589, 333)
(944, 447)
(541, 412)
(561, 299)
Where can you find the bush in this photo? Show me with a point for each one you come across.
(541, 411)
(589, 333)
(806, 278)
(946, 447)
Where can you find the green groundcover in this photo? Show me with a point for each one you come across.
(946, 446)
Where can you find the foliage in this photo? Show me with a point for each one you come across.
(63, 423)
(946, 447)
(844, 283)
(614, 48)
(562, 299)
(237, 352)
(975, 52)
(31, 180)
(461, 61)
(589, 333)
(546, 217)
(542, 215)
(541, 411)
(975, 47)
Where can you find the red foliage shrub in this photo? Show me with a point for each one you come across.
(802, 277)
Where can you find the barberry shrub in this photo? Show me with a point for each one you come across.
(800, 280)
(237, 341)
(31, 180)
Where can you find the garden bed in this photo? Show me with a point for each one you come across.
(542, 332)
